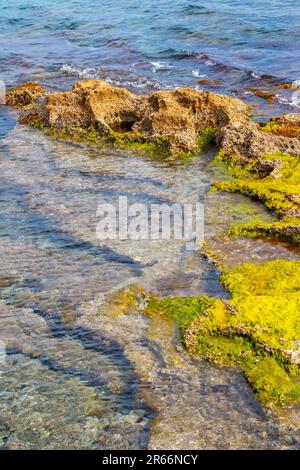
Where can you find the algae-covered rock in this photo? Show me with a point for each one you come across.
(178, 117)
(279, 191)
(258, 329)
(286, 230)
(24, 96)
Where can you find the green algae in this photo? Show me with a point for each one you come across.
(138, 142)
(130, 299)
(160, 146)
(280, 194)
(270, 278)
(207, 137)
(271, 127)
(281, 128)
(275, 198)
(257, 330)
(183, 310)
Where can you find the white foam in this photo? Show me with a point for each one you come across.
(75, 71)
(210, 63)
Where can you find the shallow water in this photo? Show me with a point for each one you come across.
(75, 375)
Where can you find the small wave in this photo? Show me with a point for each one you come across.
(194, 10)
(262, 78)
(138, 83)
(294, 102)
(254, 74)
(210, 63)
(114, 78)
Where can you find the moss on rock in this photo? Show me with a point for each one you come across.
(286, 230)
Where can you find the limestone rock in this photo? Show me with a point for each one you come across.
(25, 95)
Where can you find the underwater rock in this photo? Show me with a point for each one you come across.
(286, 230)
(262, 93)
(24, 96)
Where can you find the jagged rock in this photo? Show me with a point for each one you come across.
(248, 142)
(178, 117)
(24, 96)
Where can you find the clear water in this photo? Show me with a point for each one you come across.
(152, 44)
(76, 376)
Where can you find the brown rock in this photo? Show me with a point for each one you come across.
(261, 93)
(24, 96)
(176, 117)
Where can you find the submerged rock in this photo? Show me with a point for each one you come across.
(257, 329)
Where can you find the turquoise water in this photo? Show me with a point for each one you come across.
(76, 376)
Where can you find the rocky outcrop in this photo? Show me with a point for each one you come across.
(176, 117)
(24, 96)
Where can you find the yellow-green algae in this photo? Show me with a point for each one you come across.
(280, 194)
(258, 329)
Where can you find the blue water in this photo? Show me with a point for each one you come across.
(151, 44)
